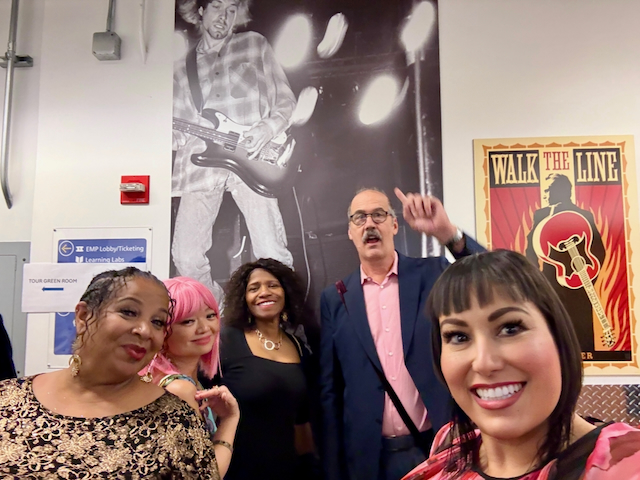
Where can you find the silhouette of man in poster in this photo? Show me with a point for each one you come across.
(573, 261)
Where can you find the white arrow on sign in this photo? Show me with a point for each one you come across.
(57, 287)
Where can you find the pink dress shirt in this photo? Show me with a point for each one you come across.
(383, 312)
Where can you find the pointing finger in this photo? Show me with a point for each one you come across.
(401, 196)
(412, 207)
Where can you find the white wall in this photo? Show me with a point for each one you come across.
(98, 121)
(15, 224)
(533, 68)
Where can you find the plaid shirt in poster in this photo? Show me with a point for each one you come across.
(245, 82)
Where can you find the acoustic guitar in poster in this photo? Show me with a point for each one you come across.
(268, 173)
(564, 241)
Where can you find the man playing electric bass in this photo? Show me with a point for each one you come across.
(234, 76)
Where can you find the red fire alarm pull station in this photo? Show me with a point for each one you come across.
(134, 189)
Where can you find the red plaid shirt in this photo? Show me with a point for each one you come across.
(245, 82)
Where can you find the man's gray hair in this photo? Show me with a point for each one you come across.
(392, 212)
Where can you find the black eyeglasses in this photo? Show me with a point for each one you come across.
(360, 218)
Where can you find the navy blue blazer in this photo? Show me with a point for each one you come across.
(352, 395)
(7, 369)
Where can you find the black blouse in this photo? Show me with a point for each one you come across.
(273, 398)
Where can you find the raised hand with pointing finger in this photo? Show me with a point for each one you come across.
(425, 214)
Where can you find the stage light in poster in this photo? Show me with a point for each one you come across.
(306, 105)
(418, 27)
(379, 99)
(333, 36)
(292, 46)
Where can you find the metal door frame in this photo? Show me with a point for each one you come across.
(18, 320)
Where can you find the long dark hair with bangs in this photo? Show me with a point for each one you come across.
(503, 272)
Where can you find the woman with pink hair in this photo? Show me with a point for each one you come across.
(192, 347)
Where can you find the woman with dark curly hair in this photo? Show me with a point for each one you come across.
(263, 362)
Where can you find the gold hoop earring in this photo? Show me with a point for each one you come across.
(148, 377)
(74, 363)
(284, 317)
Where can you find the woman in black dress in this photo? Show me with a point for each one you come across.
(263, 361)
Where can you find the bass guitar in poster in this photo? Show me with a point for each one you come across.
(269, 172)
(565, 243)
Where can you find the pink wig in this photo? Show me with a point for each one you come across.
(189, 296)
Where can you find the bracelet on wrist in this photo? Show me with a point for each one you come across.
(224, 444)
(459, 235)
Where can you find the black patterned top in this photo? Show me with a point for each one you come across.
(165, 440)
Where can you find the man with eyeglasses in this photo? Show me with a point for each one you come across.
(373, 326)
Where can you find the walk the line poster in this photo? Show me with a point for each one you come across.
(570, 205)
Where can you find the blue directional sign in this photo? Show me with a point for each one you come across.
(64, 334)
(111, 250)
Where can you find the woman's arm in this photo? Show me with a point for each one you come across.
(225, 406)
(304, 439)
(308, 463)
(186, 391)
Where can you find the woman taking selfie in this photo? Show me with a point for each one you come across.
(264, 367)
(505, 347)
(191, 347)
(97, 419)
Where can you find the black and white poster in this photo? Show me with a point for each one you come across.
(282, 110)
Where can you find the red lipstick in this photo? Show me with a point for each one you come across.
(135, 351)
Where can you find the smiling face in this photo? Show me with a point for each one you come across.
(218, 18)
(502, 367)
(264, 295)
(374, 241)
(194, 335)
(130, 329)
